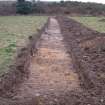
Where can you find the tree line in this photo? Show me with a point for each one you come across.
(62, 7)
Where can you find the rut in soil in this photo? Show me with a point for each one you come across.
(51, 69)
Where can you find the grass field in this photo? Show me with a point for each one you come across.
(92, 22)
(14, 30)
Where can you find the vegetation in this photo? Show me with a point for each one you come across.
(96, 23)
(63, 7)
(83, 8)
(70, 7)
(14, 31)
(23, 7)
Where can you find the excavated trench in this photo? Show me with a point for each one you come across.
(51, 73)
(61, 71)
(51, 68)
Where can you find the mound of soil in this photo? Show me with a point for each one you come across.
(88, 52)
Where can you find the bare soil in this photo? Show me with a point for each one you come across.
(68, 67)
(88, 53)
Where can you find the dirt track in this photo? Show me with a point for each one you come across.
(67, 69)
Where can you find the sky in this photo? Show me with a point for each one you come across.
(97, 1)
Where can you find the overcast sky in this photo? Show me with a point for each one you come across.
(97, 1)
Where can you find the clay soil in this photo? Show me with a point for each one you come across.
(68, 67)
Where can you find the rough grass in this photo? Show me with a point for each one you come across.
(94, 23)
(14, 30)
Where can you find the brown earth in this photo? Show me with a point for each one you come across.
(88, 52)
(67, 69)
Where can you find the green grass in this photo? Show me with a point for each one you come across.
(14, 31)
(92, 22)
